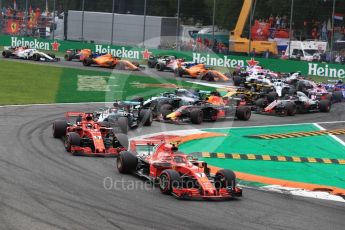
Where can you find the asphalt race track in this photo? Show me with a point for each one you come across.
(44, 187)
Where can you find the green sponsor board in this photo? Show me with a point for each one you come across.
(313, 146)
(219, 60)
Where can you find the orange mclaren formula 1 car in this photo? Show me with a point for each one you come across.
(77, 54)
(176, 173)
(109, 61)
(200, 71)
(87, 137)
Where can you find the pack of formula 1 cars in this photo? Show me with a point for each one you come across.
(103, 132)
(283, 94)
(182, 68)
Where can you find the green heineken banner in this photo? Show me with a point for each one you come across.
(229, 61)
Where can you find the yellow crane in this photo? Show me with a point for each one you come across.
(239, 44)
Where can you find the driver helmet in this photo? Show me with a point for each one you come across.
(89, 126)
(215, 93)
(89, 117)
(117, 104)
(174, 148)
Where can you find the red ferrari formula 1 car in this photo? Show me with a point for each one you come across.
(176, 173)
(87, 137)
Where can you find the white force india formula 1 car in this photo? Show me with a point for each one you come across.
(27, 53)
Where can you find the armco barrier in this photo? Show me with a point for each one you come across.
(230, 61)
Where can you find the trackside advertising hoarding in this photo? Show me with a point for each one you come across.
(220, 60)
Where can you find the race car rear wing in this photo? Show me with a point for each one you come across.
(77, 114)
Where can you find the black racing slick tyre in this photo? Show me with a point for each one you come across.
(123, 124)
(237, 80)
(324, 106)
(87, 61)
(291, 109)
(272, 96)
(337, 96)
(146, 117)
(168, 180)
(6, 53)
(68, 57)
(301, 86)
(126, 162)
(160, 67)
(260, 103)
(196, 116)
(36, 57)
(225, 178)
(72, 139)
(165, 110)
(120, 140)
(59, 128)
(243, 113)
(151, 64)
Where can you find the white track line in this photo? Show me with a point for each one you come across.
(333, 136)
(214, 85)
(302, 192)
(259, 126)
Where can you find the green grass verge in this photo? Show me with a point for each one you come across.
(314, 146)
(93, 86)
(24, 83)
(28, 83)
